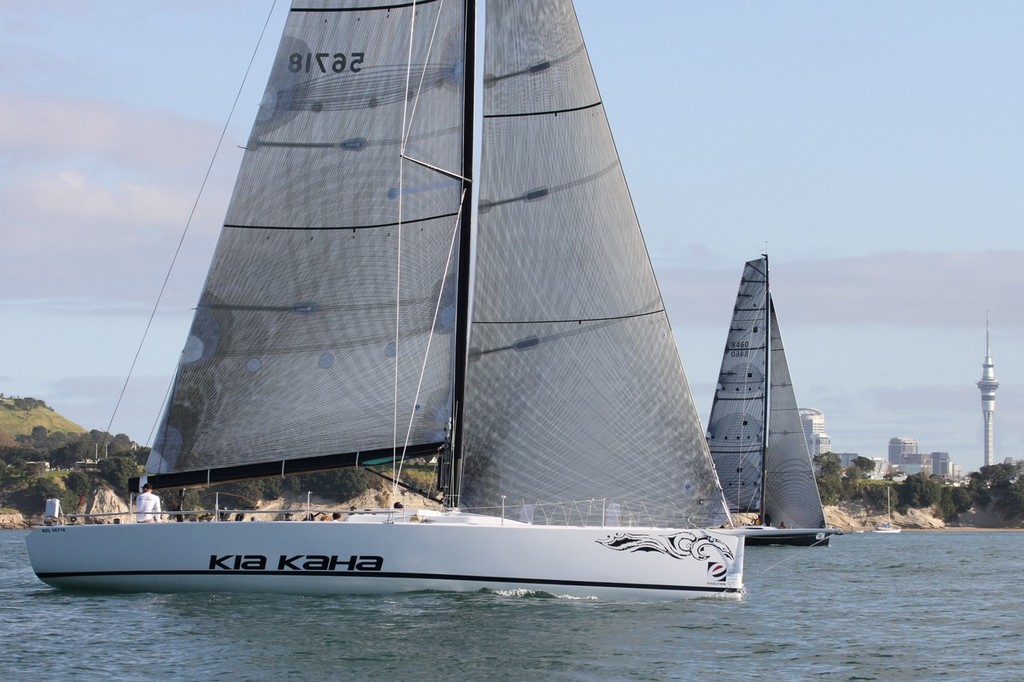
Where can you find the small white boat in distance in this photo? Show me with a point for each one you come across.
(886, 527)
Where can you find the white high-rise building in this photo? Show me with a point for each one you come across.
(813, 422)
(988, 386)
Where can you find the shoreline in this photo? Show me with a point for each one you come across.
(844, 531)
(949, 529)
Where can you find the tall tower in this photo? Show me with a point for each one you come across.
(988, 386)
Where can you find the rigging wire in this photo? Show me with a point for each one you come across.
(407, 116)
(430, 337)
(184, 233)
(398, 260)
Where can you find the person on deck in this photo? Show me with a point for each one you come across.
(147, 506)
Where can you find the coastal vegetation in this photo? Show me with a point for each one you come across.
(43, 455)
(997, 489)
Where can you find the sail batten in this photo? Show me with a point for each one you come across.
(329, 228)
(551, 112)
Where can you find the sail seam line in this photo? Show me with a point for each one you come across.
(340, 227)
(328, 10)
(573, 319)
(544, 113)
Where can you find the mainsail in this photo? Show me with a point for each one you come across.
(575, 389)
(754, 430)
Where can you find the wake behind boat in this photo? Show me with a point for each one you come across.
(335, 330)
(754, 430)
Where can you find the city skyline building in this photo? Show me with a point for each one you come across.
(988, 385)
(813, 422)
(900, 448)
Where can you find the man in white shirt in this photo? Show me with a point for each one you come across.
(147, 506)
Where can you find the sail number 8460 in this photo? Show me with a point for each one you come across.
(739, 349)
(325, 62)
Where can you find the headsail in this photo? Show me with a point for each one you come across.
(790, 489)
(575, 390)
(291, 355)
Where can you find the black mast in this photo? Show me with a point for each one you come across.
(453, 483)
(767, 386)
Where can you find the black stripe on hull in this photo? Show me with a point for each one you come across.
(395, 575)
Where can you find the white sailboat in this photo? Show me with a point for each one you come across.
(335, 329)
(754, 430)
(887, 526)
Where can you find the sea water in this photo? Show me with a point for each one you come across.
(942, 605)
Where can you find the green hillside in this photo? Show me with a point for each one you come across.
(18, 416)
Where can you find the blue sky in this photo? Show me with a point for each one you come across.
(875, 147)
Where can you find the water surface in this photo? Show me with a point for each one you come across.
(914, 606)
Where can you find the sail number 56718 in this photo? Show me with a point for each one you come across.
(325, 62)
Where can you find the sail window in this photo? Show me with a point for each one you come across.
(253, 364)
(326, 361)
(193, 349)
(523, 344)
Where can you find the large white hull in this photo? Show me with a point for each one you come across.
(454, 552)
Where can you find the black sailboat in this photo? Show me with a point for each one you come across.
(754, 430)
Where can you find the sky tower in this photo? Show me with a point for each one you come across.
(988, 386)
